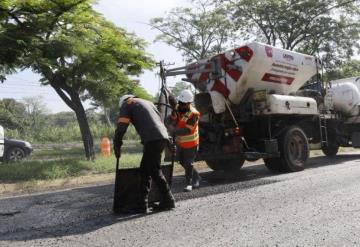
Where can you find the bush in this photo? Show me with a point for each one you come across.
(69, 133)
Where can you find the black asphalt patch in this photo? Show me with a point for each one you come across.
(82, 210)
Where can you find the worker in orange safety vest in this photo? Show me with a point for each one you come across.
(183, 122)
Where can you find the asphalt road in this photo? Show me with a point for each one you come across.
(317, 207)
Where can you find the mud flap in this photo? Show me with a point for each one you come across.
(355, 139)
(127, 187)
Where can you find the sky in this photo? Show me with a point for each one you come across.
(131, 15)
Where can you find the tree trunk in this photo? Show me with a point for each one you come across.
(72, 99)
(86, 135)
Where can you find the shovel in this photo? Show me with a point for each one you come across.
(127, 189)
(116, 189)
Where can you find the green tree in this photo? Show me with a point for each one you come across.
(36, 115)
(349, 68)
(198, 31)
(62, 119)
(12, 114)
(74, 49)
(329, 28)
(110, 112)
(179, 86)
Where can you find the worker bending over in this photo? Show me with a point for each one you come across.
(146, 119)
(183, 122)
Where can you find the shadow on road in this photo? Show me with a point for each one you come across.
(84, 210)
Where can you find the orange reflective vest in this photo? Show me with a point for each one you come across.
(192, 139)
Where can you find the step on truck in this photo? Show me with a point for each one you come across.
(262, 102)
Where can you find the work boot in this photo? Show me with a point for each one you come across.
(196, 184)
(188, 188)
(133, 209)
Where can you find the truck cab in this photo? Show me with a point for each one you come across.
(1, 143)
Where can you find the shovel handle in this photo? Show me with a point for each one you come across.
(116, 202)
(172, 158)
(117, 163)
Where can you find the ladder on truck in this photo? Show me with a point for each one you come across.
(323, 130)
(324, 114)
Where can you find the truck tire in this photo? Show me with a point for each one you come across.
(294, 152)
(330, 150)
(225, 165)
(14, 154)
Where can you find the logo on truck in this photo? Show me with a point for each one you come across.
(278, 79)
(269, 51)
(288, 57)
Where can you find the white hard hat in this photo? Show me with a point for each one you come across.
(186, 96)
(124, 98)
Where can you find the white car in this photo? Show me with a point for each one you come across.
(13, 150)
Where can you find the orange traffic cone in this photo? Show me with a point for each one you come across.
(105, 147)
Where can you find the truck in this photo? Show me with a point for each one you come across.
(262, 102)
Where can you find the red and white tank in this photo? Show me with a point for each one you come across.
(257, 66)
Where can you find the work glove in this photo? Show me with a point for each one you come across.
(173, 149)
(172, 146)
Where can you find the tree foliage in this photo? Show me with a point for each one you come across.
(28, 117)
(61, 119)
(74, 49)
(329, 28)
(28, 120)
(326, 28)
(12, 114)
(197, 31)
(179, 86)
(36, 112)
(349, 68)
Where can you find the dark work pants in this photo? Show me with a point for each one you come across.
(150, 169)
(186, 157)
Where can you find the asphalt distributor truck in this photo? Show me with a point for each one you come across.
(258, 101)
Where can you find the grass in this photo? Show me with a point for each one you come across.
(62, 168)
(58, 163)
(77, 151)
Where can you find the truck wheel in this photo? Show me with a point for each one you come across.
(331, 150)
(225, 165)
(14, 154)
(294, 152)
